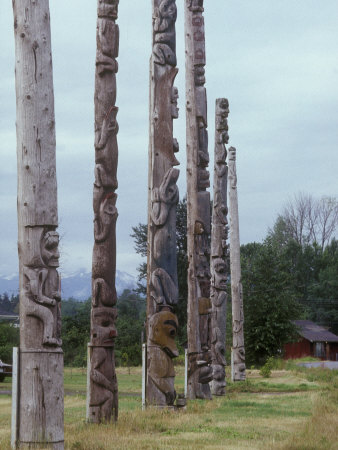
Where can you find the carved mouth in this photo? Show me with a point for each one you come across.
(53, 262)
(173, 353)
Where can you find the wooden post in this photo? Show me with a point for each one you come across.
(198, 205)
(185, 372)
(144, 375)
(103, 397)
(219, 250)
(162, 285)
(15, 398)
(238, 350)
(40, 412)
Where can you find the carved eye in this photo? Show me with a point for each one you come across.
(105, 323)
(172, 333)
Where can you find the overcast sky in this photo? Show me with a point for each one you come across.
(277, 63)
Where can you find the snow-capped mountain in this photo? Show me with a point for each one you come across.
(76, 285)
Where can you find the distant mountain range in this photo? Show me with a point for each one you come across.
(76, 285)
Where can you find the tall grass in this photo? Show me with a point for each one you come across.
(286, 411)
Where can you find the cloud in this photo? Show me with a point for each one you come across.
(275, 61)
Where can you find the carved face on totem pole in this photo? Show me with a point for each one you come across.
(103, 326)
(49, 249)
(196, 5)
(219, 379)
(174, 100)
(220, 274)
(168, 11)
(239, 363)
(221, 208)
(199, 75)
(221, 153)
(162, 331)
(108, 8)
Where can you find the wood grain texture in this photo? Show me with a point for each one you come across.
(40, 396)
(198, 205)
(238, 349)
(102, 401)
(163, 195)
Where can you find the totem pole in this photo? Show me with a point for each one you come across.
(162, 286)
(102, 401)
(238, 350)
(219, 250)
(39, 414)
(198, 206)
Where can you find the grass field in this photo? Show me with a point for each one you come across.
(294, 409)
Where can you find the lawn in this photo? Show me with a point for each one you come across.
(290, 410)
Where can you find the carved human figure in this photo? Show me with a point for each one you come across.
(161, 350)
(41, 282)
(103, 391)
(164, 47)
(107, 32)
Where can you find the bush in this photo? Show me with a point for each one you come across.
(265, 371)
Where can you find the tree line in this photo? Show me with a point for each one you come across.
(292, 274)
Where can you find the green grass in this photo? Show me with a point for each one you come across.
(286, 411)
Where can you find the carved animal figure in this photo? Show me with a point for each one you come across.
(103, 294)
(161, 350)
(103, 400)
(106, 218)
(200, 373)
(165, 197)
(165, 290)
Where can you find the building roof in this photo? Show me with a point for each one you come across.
(313, 332)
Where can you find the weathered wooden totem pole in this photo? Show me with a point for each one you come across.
(39, 415)
(102, 401)
(198, 206)
(219, 249)
(238, 350)
(162, 286)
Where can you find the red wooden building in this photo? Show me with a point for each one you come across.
(314, 340)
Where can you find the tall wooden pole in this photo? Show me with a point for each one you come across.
(162, 286)
(198, 205)
(219, 249)
(40, 410)
(238, 350)
(103, 398)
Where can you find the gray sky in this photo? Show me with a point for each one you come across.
(275, 60)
